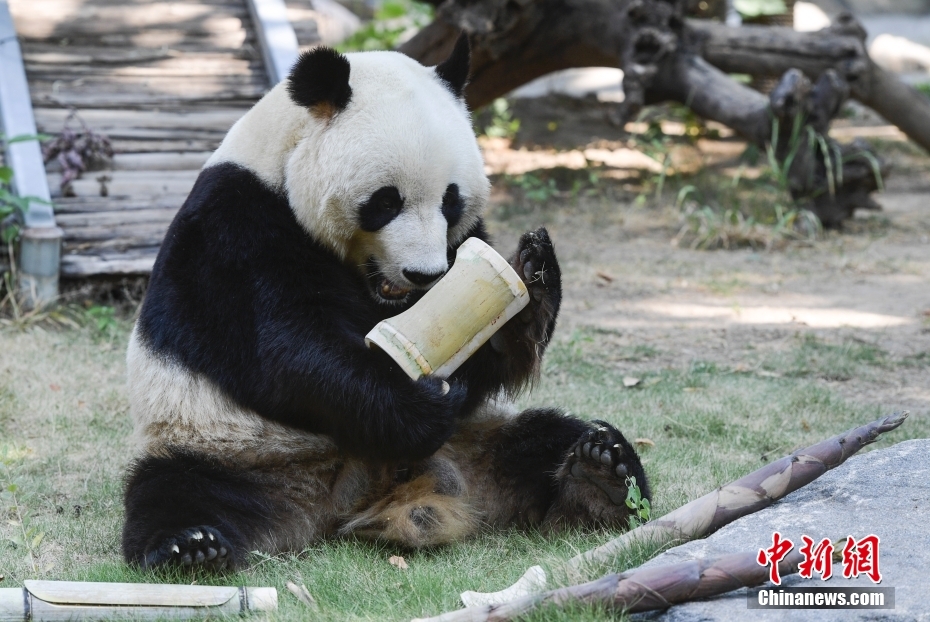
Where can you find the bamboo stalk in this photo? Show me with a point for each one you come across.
(641, 590)
(60, 601)
(709, 513)
(456, 316)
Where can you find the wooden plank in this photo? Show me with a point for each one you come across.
(214, 119)
(136, 183)
(230, 42)
(75, 266)
(153, 161)
(120, 203)
(182, 144)
(35, 24)
(183, 66)
(165, 81)
(70, 222)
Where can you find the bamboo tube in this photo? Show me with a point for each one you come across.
(456, 316)
(705, 515)
(60, 601)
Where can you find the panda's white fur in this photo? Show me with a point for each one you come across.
(406, 130)
(263, 422)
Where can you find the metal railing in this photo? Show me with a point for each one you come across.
(40, 243)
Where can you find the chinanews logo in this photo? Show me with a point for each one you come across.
(858, 557)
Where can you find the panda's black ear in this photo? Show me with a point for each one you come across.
(454, 70)
(319, 80)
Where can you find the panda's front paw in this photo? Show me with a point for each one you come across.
(604, 458)
(199, 546)
(536, 264)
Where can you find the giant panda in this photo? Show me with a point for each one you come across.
(263, 421)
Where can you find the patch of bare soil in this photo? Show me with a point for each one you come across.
(868, 284)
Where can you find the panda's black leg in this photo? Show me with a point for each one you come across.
(187, 510)
(556, 470)
(593, 479)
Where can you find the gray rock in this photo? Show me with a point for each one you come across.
(884, 492)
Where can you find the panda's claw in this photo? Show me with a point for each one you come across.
(604, 458)
(203, 547)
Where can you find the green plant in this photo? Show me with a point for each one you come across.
(503, 124)
(636, 502)
(923, 87)
(755, 8)
(536, 189)
(77, 151)
(12, 208)
(395, 21)
(103, 318)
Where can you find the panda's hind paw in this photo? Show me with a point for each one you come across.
(604, 458)
(201, 546)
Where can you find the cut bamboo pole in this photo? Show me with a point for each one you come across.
(456, 316)
(706, 515)
(60, 601)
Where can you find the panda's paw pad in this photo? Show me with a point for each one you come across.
(198, 547)
(603, 457)
(536, 264)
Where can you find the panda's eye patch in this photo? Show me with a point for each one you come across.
(380, 208)
(452, 205)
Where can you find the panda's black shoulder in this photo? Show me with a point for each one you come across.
(234, 254)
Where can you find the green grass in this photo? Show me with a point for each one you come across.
(65, 440)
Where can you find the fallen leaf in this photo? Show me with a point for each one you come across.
(302, 594)
(605, 275)
(768, 374)
(805, 425)
(54, 387)
(644, 442)
(397, 560)
(650, 382)
(693, 389)
(630, 381)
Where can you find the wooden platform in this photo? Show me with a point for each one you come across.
(165, 81)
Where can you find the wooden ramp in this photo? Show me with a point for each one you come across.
(165, 81)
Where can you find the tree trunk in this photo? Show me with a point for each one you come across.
(667, 57)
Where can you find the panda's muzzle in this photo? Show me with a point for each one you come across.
(392, 291)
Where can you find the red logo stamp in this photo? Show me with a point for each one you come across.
(859, 557)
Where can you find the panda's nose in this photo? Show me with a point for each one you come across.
(421, 278)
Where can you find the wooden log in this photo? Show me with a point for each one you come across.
(661, 56)
(772, 51)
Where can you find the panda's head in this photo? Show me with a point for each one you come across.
(384, 167)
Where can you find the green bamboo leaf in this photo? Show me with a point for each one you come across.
(6, 174)
(37, 539)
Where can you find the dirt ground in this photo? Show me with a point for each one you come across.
(865, 287)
